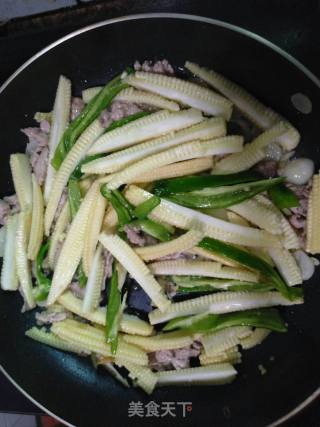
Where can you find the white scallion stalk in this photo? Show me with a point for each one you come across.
(221, 302)
(9, 278)
(59, 122)
(222, 373)
(186, 219)
(189, 150)
(136, 268)
(184, 92)
(94, 283)
(152, 126)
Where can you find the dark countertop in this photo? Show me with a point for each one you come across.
(291, 24)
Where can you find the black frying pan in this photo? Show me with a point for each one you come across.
(67, 385)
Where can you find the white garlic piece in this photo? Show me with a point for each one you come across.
(305, 263)
(298, 171)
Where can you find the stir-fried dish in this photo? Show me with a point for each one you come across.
(157, 222)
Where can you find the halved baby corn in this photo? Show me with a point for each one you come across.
(110, 219)
(184, 92)
(22, 263)
(59, 122)
(255, 338)
(151, 126)
(94, 284)
(2, 240)
(217, 342)
(286, 265)
(48, 338)
(201, 268)
(168, 341)
(9, 277)
(22, 180)
(188, 150)
(141, 375)
(232, 356)
(72, 159)
(147, 98)
(72, 248)
(129, 324)
(259, 214)
(258, 113)
(136, 268)
(58, 234)
(37, 226)
(289, 237)
(174, 170)
(204, 253)
(92, 233)
(313, 229)
(41, 115)
(207, 129)
(180, 244)
(90, 93)
(252, 153)
(135, 96)
(93, 339)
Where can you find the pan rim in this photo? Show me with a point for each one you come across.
(301, 67)
(189, 17)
